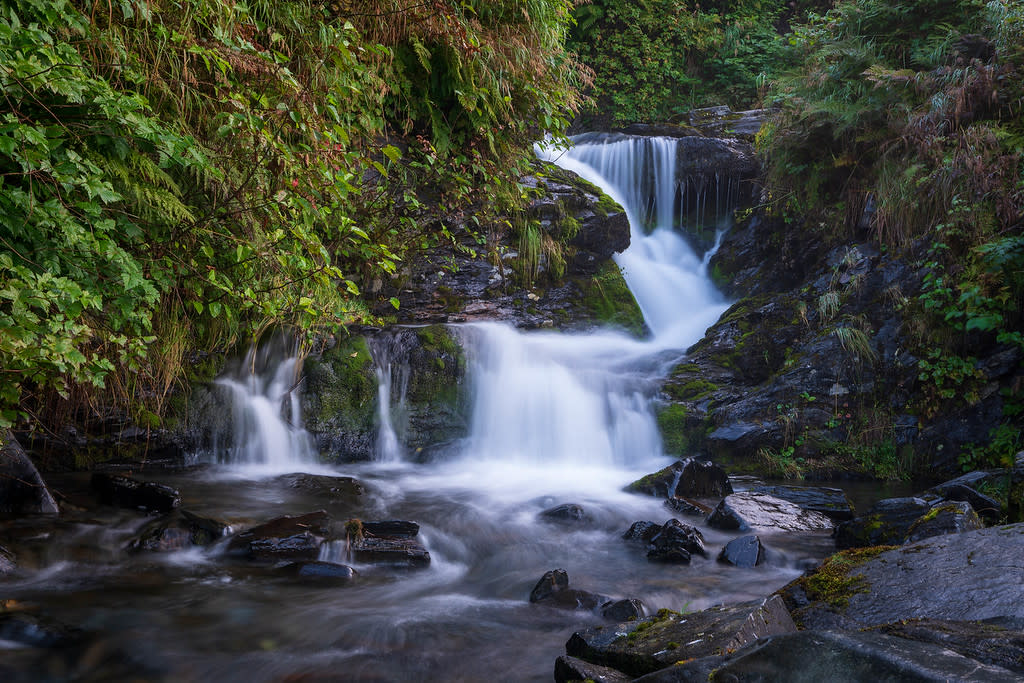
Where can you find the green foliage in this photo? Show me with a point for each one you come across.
(184, 175)
(657, 59)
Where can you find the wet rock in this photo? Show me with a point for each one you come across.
(970, 576)
(642, 531)
(392, 551)
(946, 518)
(746, 551)
(963, 489)
(748, 510)
(623, 610)
(8, 562)
(887, 522)
(684, 478)
(568, 512)
(981, 641)
(284, 538)
(346, 488)
(121, 491)
(685, 506)
(569, 669)
(675, 542)
(22, 489)
(650, 644)
(394, 528)
(830, 502)
(320, 571)
(553, 588)
(811, 656)
(178, 530)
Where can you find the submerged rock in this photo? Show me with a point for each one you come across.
(284, 538)
(646, 645)
(176, 531)
(346, 488)
(567, 512)
(748, 510)
(320, 571)
(125, 492)
(553, 588)
(22, 489)
(746, 551)
(833, 503)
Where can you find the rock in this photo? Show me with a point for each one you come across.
(393, 528)
(320, 571)
(945, 518)
(646, 645)
(1015, 498)
(623, 610)
(962, 489)
(675, 543)
(981, 641)
(567, 512)
(830, 502)
(121, 491)
(748, 510)
(284, 538)
(684, 478)
(346, 488)
(22, 489)
(553, 588)
(746, 551)
(642, 531)
(812, 656)
(686, 506)
(8, 562)
(177, 531)
(569, 669)
(970, 576)
(36, 631)
(887, 522)
(393, 551)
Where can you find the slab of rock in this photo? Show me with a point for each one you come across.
(830, 502)
(685, 478)
(396, 551)
(22, 489)
(746, 552)
(393, 527)
(121, 491)
(748, 511)
(553, 588)
(176, 531)
(284, 538)
(815, 656)
(685, 506)
(945, 518)
(984, 642)
(320, 571)
(650, 644)
(886, 522)
(332, 487)
(675, 542)
(571, 669)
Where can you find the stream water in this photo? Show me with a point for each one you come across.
(556, 419)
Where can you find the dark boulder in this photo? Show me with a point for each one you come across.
(22, 489)
(642, 531)
(553, 588)
(830, 502)
(963, 488)
(887, 522)
(945, 518)
(650, 644)
(814, 656)
(675, 542)
(684, 478)
(623, 610)
(284, 538)
(746, 551)
(392, 527)
(176, 531)
(125, 492)
(748, 510)
(393, 551)
(569, 670)
(327, 572)
(567, 512)
(685, 506)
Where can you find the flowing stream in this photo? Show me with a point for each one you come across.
(555, 419)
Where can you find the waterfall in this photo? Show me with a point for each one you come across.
(391, 367)
(267, 416)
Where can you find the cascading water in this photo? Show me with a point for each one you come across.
(267, 415)
(392, 382)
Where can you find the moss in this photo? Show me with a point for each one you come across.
(834, 583)
(342, 386)
(672, 424)
(438, 339)
(691, 391)
(608, 300)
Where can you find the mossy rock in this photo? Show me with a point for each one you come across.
(672, 423)
(606, 298)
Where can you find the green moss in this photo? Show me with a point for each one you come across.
(438, 339)
(834, 583)
(607, 298)
(672, 424)
(690, 391)
(342, 387)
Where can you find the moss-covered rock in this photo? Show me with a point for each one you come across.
(607, 300)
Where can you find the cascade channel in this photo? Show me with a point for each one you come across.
(554, 419)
